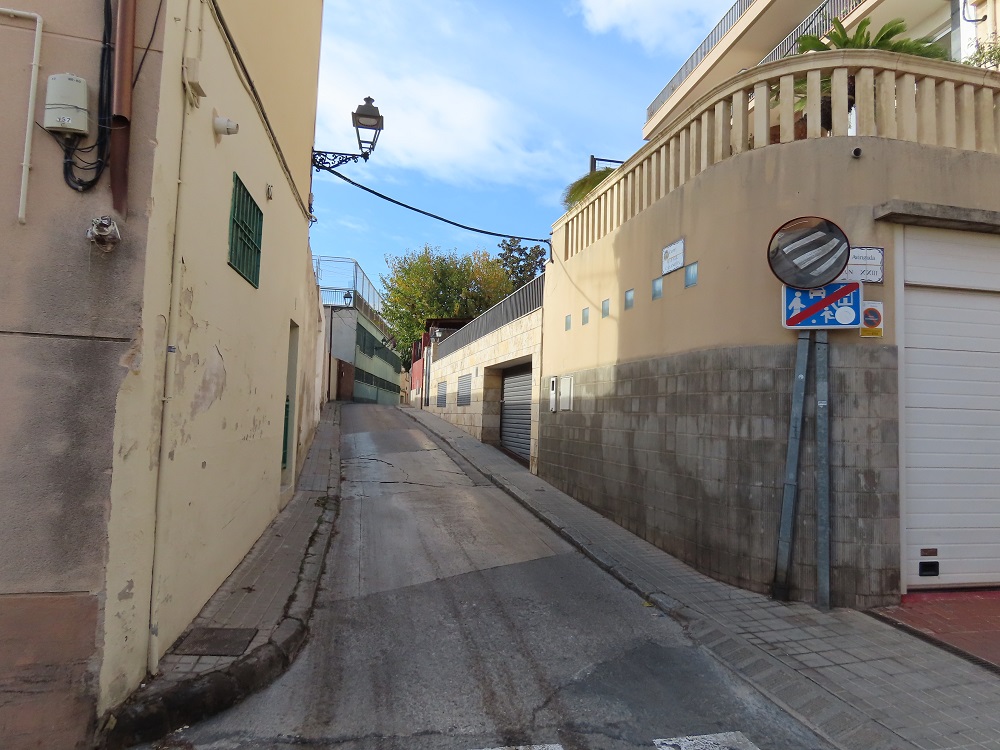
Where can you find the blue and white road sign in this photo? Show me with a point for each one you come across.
(836, 305)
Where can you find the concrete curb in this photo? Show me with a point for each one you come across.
(158, 709)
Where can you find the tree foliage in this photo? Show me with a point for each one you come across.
(986, 53)
(576, 191)
(429, 283)
(887, 38)
(522, 264)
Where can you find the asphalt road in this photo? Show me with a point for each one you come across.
(451, 619)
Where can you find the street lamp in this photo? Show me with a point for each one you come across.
(368, 123)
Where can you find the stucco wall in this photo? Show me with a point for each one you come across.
(516, 343)
(690, 392)
(285, 69)
(70, 327)
(185, 512)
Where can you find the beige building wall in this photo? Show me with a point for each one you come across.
(217, 477)
(106, 522)
(681, 404)
(70, 334)
(285, 75)
(516, 343)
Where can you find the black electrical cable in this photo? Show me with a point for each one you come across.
(149, 44)
(435, 216)
(71, 144)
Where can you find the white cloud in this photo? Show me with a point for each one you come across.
(443, 115)
(675, 26)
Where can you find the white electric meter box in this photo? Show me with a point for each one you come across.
(66, 105)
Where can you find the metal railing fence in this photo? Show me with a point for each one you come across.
(714, 37)
(516, 305)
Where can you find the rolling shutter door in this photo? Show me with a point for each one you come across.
(952, 409)
(515, 412)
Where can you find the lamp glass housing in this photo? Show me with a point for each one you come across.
(367, 118)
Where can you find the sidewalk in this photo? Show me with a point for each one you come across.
(858, 682)
(254, 626)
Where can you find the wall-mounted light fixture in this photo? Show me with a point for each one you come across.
(225, 126)
(368, 124)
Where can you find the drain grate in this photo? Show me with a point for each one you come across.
(215, 642)
(726, 741)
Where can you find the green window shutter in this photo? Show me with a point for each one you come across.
(246, 233)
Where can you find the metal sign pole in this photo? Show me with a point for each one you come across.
(783, 564)
(822, 471)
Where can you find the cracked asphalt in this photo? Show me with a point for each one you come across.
(450, 618)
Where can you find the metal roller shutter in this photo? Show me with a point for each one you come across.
(515, 412)
(952, 408)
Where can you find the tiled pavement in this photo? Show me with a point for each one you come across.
(859, 682)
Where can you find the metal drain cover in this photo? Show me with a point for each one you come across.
(215, 642)
(726, 741)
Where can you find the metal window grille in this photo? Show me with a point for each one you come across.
(442, 400)
(246, 232)
(465, 390)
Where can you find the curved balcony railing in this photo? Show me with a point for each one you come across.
(894, 96)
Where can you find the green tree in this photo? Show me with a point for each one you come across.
(429, 283)
(522, 264)
(985, 53)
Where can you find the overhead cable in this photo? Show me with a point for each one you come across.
(435, 216)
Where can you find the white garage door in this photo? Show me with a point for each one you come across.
(952, 410)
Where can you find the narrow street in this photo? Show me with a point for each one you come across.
(451, 618)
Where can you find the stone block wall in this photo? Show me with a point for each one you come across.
(518, 342)
(688, 452)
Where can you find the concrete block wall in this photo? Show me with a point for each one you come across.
(688, 452)
(485, 359)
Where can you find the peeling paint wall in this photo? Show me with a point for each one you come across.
(202, 498)
(220, 482)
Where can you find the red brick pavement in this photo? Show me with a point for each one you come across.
(968, 621)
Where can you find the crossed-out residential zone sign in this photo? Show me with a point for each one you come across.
(836, 305)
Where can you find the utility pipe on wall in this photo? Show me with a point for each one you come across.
(22, 209)
(121, 118)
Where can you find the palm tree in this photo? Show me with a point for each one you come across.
(887, 39)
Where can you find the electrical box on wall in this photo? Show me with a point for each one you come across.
(66, 105)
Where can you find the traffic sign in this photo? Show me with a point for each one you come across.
(872, 319)
(836, 305)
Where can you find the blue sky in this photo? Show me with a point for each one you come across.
(491, 108)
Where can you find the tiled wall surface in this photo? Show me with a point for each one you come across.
(688, 452)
